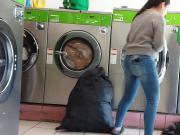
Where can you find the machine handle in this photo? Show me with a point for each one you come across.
(167, 59)
(40, 26)
(60, 53)
(2, 62)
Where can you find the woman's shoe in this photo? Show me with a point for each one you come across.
(119, 132)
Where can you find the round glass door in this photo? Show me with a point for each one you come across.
(30, 51)
(162, 63)
(7, 59)
(77, 52)
(3, 59)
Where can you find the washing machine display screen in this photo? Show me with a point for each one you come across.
(78, 54)
(2, 60)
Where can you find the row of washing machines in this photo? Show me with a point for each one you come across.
(60, 45)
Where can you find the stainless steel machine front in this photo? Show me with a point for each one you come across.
(168, 64)
(11, 32)
(34, 55)
(77, 42)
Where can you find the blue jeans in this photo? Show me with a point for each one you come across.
(140, 69)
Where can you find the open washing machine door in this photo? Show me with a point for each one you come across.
(30, 51)
(8, 60)
(77, 52)
(162, 63)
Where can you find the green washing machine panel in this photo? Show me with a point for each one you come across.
(125, 15)
(82, 18)
(36, 15)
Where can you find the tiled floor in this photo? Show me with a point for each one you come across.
(47, 128)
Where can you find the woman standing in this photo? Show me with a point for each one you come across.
(144, 42)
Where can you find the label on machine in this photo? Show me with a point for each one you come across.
(49, 56)
(113, 57)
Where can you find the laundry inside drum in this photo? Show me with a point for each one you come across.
(79, 54)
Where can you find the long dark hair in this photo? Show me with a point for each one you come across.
(151, 3)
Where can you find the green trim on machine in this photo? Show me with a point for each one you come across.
(127, 17)
(20, 2)
(36, 15)
(96, 19)
(123, 15)
(173, 19)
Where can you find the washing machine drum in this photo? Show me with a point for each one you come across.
(77, 52)
(30, 51)
(8, 59)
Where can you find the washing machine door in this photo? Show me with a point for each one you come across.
(30, 51)
(162, 63)
(77, 52)
(8, 60)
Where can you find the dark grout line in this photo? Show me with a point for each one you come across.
(30, 128)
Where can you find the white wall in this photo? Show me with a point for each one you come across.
(175, 5)
(136, 4)
(53, 3)
(107, 5)
(94, 5)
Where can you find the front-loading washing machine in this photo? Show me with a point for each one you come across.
(77, 41)
(11, 40)
(167, 65)
(34, 55)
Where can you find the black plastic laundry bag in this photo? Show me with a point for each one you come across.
(89, 105)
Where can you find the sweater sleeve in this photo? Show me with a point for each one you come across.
(159, 34)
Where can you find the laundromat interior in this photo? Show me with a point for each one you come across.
(46, 48)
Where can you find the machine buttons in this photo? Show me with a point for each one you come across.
(40, 26)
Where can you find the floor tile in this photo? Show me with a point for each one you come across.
(129, 131)
(26, 125)
(40, 131)
(47, 125)
(69, 133)
(156, 132)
